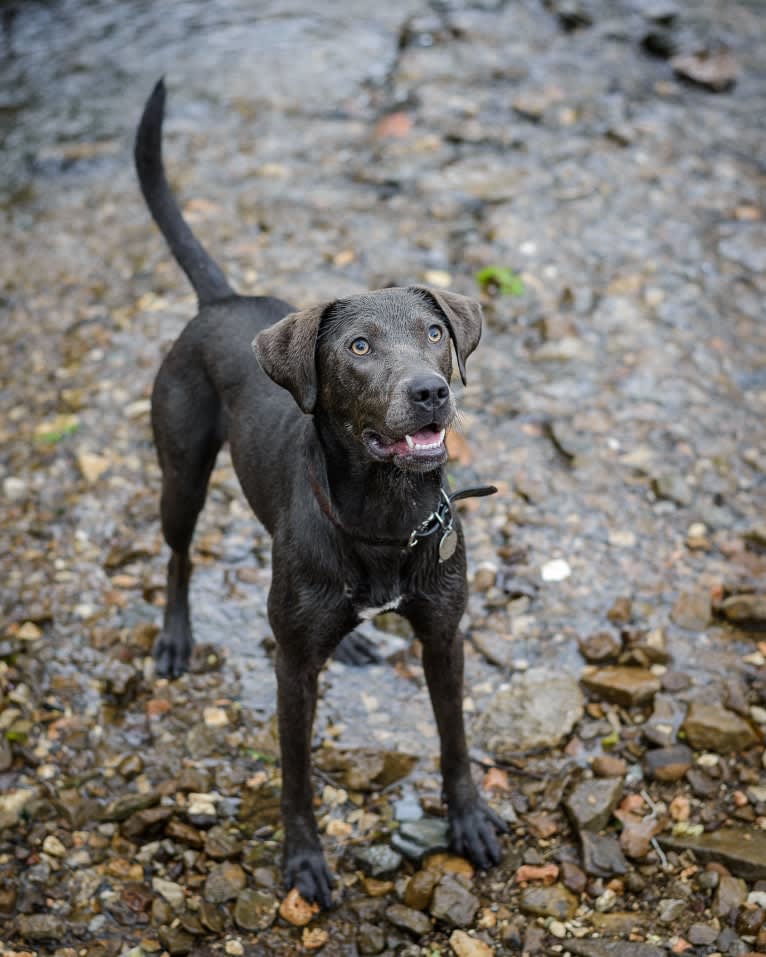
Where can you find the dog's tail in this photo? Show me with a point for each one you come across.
(203, 272)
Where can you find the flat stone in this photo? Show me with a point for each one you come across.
(745, 609)
(224, 883)
(409, 919)
(623, 685)
(147, 823)
(741, 850)
(668, 764)
(124, 807)
(378, 861)
(702, 935)
(618, 923)
(602, 855)
(591, 803)
(609, 766)
(170, 891)
(692, 610)
(417, 839)
(40, 927)
(466, 946)
(730, 893)
(613, 948)
(255, 910)
(370, 939)
(673, 488)
(538, 710)
(662, 726)
(453, 903)
(670, 909)
(711, 727)
(554, 901)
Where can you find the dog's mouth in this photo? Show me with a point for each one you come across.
(424, 447)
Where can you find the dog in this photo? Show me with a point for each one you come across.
(335, 416)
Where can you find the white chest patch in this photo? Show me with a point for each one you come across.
(368, 613)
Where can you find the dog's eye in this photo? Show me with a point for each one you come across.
(360, 347)
(435, 333)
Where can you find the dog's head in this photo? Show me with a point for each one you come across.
(377, 367)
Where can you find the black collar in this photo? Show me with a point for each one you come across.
(441, 519)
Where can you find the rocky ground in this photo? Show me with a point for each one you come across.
(605, 162)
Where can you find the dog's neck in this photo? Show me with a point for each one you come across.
(376, 497)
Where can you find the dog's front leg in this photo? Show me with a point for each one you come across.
(473, 823)
(304, 864)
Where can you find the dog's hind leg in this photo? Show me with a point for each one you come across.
(188, 431)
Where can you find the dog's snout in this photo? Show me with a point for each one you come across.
(428, 391)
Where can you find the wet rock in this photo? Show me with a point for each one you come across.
(672, 488)
(750, 920)
(220, 843)
(121, 808)
(224, 883)
(668, 764)
(170, 891)
(702, 935)
(618, 923)
(730, 893)
(211, 917)
(147, 823)
(692, 610)
(255, 910)
(408, 919)
(715, 70)
(573, 877)
(184, 833)
(741, 850)
(702, 784)
(613, 948)
(623, 685)
(647, 648)
(591, 803)
(600, 647)
(370, 939)
(602, 855)
(378, 861)
(12, 805)
(453, 903)
(745, 609)
(662, 727)
(712, 727)
(417, 839)
(554, 901)
(176, 940)
(670, 909)
(420, 888)
(41, 927)
(538, 710)
(466, 946)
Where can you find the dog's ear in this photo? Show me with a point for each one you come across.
(286, 352)
(463, 317)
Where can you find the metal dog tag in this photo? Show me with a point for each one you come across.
(448, 544)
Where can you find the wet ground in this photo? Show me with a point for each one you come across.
(618, 401)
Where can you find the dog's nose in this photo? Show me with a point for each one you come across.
(428, 391)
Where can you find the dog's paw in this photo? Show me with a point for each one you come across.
(307, 872)
(474, 834)
(171, 654)
(356, 650)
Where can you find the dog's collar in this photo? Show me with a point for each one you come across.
(441, 519)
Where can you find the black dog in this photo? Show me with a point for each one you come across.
(337, 437)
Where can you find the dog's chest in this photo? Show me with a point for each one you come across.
(368, 612)
(374, 597)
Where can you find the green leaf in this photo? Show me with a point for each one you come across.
(506, 281)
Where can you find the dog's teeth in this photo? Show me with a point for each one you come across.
(441, 436)
(410, 441)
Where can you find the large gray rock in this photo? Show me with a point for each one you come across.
(710, 726)
(742, 850)
(591, 803)
(537, 710)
